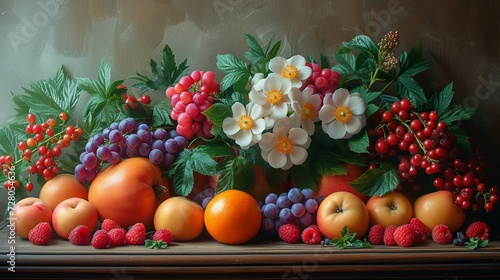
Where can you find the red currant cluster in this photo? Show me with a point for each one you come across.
(321, 81)
(423, 145)
(192, 95)
(46, 140)
(131, 102)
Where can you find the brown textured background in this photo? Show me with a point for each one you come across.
(460, 38)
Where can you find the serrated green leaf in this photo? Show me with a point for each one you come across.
(364, 44)
(409, 88)
(440, 102)
(236, 173)
(161, 114)
(370, 109)
(457, 113)
(378, 181)
(202, 162)
(152, 244)
(216, 149)
(104, 78)
(359, 143)
(310, 181)
(218, 112)
(236, 70)
(256, 53)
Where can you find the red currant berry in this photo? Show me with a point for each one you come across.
(416, 125)
(457, 181)
(405, 104)
(391, 139)
(403, 115)
(395, 107)
(433, 116)
(480, 187)
(413, 148)
(22, 145)
(29, 186)
(31, 118)
(465, 204)
(493, 198)
(381, 147)
(387, 116)
(488, 206)
(438, 183)
(63, 116)
(493, 190)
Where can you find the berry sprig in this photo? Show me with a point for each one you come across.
(42, 148)
(322, 80)
(424, 145)
(192, 95)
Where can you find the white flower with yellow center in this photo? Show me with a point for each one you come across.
(342, 114)
(274, 93)
(293, 69)
(285, 146)
(246, 125)
(306, 106)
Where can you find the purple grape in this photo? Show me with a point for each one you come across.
(103, 153)
(115, 136)
(144, 135)
(159, 145)
(168, 159)
(283, 201)
(131, 153)
(143, 126)
(91, 147)
(144, 149)
(268, 225)
(271, 198)
(171, 146)
(199, 198)
(160, 134)
(82, 155)
(298, 209)
(307, 194)
(295, 195)
(306, 219)
(91, 175)
(127, 125)
(271, 211)
(80, 171)
(113, 126)
(156, 156)
(311, 205)
(98, 139)
(90, 161)
(319, 199)
(286, 216)
(172, 134)
(133, 142)
(209, 192)
(114, 158)
(205, 202)
(277, 224)
(105, 132)
(181, 141)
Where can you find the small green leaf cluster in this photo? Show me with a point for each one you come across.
(475, 243)
(349, 240)
(152, 244)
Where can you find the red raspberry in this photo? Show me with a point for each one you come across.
(376, 234)
(389, 235)
(164, 235)
(404, 235)
(441, 234)
(289, 233)
(136, 234)
(100, 239)
(80, 235)
(109, 224)
(311, 235)
(116, 236)
(40, 234)
(421, 230)
(478, 229)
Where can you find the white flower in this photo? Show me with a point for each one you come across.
(257, 81)
(274, 93)
(246, 125)
(293, 69)
(285, 146)
(342, 114)
(306, 106)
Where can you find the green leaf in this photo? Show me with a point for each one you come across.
(378, 181)
(412, 63)
(457, 113)
(347, 239)
(236, 70)
(256, 53)
(440, 102)
(164, 75)
(364, 44)
(462, 140)
(161, 114)
(475, 243)
(359, 143)
(151, 244)
(236, 173)
(370, 109)
(409, 88)
(216, 113)
(310, 181)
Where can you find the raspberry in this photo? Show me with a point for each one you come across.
(289, 233)
(478, 229)
(404, 235)
(389, 235)
(109, 224)
(164, 235)
(441, 234)
(311, 235)
(136, 234)
(100, 239)
(116, 237)
(80, 235)
(421, 230)
(40, 234)
(376, 235)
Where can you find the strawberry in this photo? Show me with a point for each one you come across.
(40, 234)
(389, 235)
(100, 239)
(376, 234)
(164, 235)
(311, 235)
(404, 235)
(116, 236)
(478, 229)
(289, 233)
(136, 234)
(109, 224)
(421, 230)
(80, 235)
(441, 234)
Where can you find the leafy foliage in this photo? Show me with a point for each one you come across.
(349, 240)
(475, 243)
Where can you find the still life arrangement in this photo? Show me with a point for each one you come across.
(345, 150)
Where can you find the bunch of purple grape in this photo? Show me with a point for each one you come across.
(127, 139)
(295, 206)
(204, 197)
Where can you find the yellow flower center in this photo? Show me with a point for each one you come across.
(289, 72)
(308, 112)
(274, 96)
(343, 114)
(245, 122)
(284, 145)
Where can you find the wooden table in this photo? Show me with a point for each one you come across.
(205, 258)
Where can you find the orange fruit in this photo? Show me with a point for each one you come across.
(233, 217)
(60, 188)
(181, 216)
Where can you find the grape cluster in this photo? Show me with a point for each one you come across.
(321, 81)
(192, 95)
(127, 139)
(204, 197)
(423, 145)
(295, 206)
(46, 140)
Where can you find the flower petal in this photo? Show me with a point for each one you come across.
(298, 155)
(357, 105)
(298, 136)
(354, 125)
(326, 113)
(277, 63)
(258, 126)
(336, 130)
(238, 110)
(267, 142)
(277, 159)
(297, 61)
(230, 126)
(341, 97)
